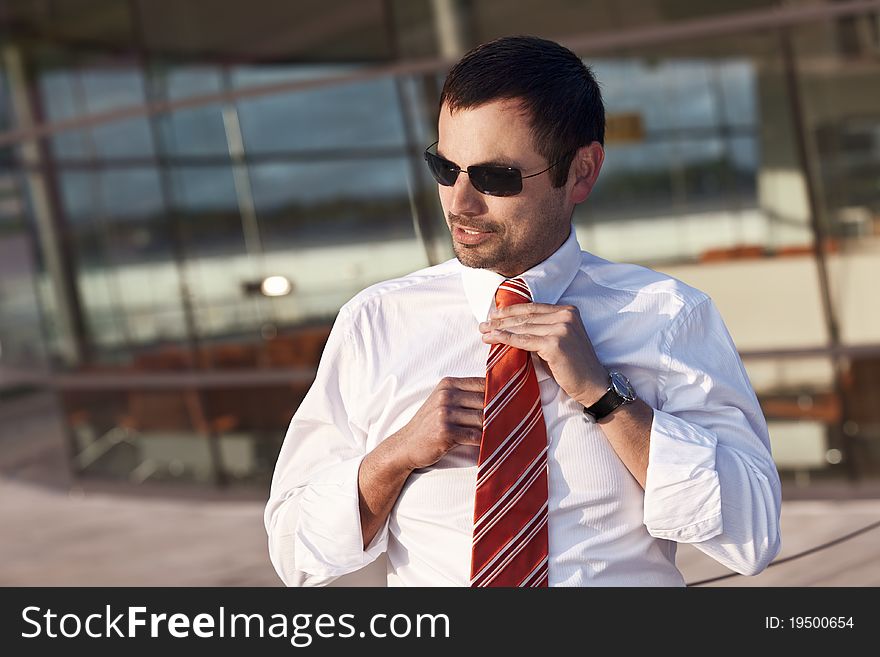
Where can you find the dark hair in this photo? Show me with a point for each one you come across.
(557, 90)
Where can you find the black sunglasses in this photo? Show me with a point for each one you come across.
(492, 181)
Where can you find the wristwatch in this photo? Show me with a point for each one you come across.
(620, 391)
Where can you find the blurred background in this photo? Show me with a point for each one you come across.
(190, 189)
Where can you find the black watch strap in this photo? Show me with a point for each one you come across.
(619, 392)
(607, 403)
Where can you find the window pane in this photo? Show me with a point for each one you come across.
(351, 116)
(196, 131)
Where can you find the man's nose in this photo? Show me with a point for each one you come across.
(465, 199)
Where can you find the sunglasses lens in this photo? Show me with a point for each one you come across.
(444, 172)
(492, 181)
(496, 181)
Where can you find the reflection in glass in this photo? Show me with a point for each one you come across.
(349, 116)
(196, 131)
(69, 94)
(130, 193)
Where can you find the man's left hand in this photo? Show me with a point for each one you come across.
(557, 335)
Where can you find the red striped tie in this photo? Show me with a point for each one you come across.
(510, 544)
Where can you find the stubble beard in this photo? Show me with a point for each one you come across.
(507, 259)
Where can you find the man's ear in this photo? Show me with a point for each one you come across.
(587, 164)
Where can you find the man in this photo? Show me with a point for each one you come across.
(527, 413)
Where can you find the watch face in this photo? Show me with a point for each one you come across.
(622, 386)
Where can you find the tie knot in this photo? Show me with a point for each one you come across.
(512, 291)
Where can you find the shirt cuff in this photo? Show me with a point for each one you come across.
(328, 538)
(682, 490)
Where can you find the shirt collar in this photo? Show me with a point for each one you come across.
(547, 280)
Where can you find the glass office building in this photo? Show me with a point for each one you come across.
(190, 190)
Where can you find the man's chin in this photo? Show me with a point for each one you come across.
(469, 258)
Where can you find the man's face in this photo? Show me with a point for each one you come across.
(515, 232)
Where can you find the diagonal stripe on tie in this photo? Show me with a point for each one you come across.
(510, 540)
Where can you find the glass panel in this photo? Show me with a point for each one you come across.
(117, 89)
(766, 302)
(7, 121)
(709, 168)
(208, 189)
(804, 415)
(708, 188)
(217, 434)
(841, 99)
(736, 92)
(128, 193)
(838, 71)
(59, 103)
(689, 175)
(348, 116)
(69, 94)
(673, 94)
(196, 131)
(140, 435)
(21, 338)
(128, 281)
(334, 228)
(218, 263)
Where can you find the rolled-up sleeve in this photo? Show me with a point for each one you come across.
(711, 479)
(312, 516)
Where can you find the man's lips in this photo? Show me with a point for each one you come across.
(475, 236)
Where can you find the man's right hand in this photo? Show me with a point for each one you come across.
(451, 415)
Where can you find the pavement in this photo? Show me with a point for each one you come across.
(57, 538)
(57, 533)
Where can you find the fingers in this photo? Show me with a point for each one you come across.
(467, 392)
(462, 399)
(548, 319)
(525, 341)
(528, 308)
(547, 322)
(470, 399)
(472, 383)
(529, 329)
(466, 417)
(468, 436)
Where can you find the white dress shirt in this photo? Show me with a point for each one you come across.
(711, 480)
